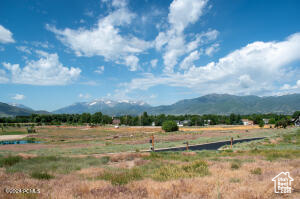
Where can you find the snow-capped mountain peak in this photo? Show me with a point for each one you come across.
(108, 106)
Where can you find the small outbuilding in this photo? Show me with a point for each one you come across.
(266, 121)
(297, 121)
(247, 122)
(116, 121)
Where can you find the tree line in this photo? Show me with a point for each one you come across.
(147, 120)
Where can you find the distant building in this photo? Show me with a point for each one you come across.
(116, 121)
(247, 122)
(206, 122)
(183, 123)
(153, 123)
(266, 121)
(186, 122)
(179, 123)
(297, 121)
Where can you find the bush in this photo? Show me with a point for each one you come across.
(169, 126)
(121, 178)
(261, 124)
(105, 159)
(234, 180)
(31, 130)
(256, 171)
(235, 165)
(41, 175)
(170, 172)
(199, 167)
(10, 161)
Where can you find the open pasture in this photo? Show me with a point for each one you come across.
(77, 140)
(64, 167)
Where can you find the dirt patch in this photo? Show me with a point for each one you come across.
(12, 137)
(25, 147)
(37, 146)
(27, 156)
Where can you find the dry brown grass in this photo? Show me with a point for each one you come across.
(216, 185)
(126, 156)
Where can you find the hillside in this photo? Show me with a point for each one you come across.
(225, 104)
(7, 110)
(108, 107)
(222, 104)
(208, 104)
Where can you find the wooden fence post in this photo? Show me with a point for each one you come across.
(152, 141)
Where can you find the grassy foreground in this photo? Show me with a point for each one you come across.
(242, 172)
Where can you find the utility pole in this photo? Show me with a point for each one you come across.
(231, 141)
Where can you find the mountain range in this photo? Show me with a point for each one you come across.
(109, 107)
(222, 104)
(11, 110)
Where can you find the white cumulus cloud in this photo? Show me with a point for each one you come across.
(153, 63)
(5, 35)
(104, 39)
(99, 70)
(212, 49)
(3, 76)
(132, 62)
(173, 41)
(45, 71)
(258, 68)
(84, 96)
(189, 60)
(18, 97)
(24, 49)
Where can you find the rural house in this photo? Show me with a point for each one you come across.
(247, 122)
(179, 123)
(297, 121)
(266, 121)
(116, 121)
(206, 122)
(183, 123)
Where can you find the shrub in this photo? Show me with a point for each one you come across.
(235, 165)
(234, 180)
(10, 161)
(256, 171)
(199, 167)
(170, 126)
(31, 130)
(105, 159)
(121, 178)
(169, 172)
(41, 175)
(108, 143)
(261, 124)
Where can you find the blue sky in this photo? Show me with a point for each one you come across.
(54, 53)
